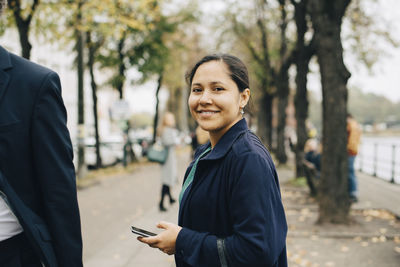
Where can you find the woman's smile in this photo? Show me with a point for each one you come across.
(207, 113)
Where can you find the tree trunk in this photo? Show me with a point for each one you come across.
(23, 25)
(174, 105)
(92, 50)
(121, 68)
(184, 110)
(23, 31)
(301, 106)
(81, 100)
(264, 122)
(282, 87)
(334, 204)
(155, 123)
(283, 94)
(303, 56)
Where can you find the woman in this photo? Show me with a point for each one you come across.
(231, 213)
(169, 137)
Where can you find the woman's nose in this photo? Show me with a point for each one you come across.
(205, 98)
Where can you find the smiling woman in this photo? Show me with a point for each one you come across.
(215, 101)
(230, 212)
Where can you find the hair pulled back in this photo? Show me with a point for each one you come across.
(236, 67)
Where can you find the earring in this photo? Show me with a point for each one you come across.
(242, 111)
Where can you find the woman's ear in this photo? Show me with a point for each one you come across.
(244, 97)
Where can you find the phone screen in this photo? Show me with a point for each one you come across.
(141, 232)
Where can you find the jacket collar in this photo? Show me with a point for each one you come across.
(227, 140)
(5, 63)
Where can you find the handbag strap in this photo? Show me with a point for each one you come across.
(190, 177)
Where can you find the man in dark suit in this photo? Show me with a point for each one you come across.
(39, 215)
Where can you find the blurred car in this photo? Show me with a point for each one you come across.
(111, 150)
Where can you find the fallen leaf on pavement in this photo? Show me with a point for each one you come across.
(344, 249)
(374, 239)
(303, 252)
(383, 230)
(364, 244)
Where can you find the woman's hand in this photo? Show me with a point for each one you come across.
(164, 241)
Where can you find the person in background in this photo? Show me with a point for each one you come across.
(312, 164)
(39, 214)
(202, 136)
(169, 138)
(353, 142)
(230, 212)
(199, 138)
(312, 152)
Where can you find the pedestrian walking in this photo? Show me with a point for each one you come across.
(39, 215)
(230, 212)
(169, 139)
(353, 142)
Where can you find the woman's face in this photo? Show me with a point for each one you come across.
(215, 100)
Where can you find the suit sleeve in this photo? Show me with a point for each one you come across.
(259, 223)
(53, 157)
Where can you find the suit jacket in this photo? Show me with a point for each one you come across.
(36, 168)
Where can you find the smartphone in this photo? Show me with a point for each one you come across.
(141, 232)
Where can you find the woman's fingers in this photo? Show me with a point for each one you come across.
(166, 251)
(163, 225)
(153, 240)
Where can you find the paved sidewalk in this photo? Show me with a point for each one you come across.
(372, 239)
(374, 193)
(125, 250)
(378, 194)
(111, 206)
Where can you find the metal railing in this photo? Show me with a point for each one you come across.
(380, 160)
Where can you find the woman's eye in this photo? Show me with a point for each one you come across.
(218, 88)
(196, 90)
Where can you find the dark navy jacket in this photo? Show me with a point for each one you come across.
(36, 170)
(234, 197)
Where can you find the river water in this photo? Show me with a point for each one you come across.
(380, 156)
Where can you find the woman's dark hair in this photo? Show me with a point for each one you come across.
(237, 69)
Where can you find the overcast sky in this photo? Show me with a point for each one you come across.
(385, 76)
